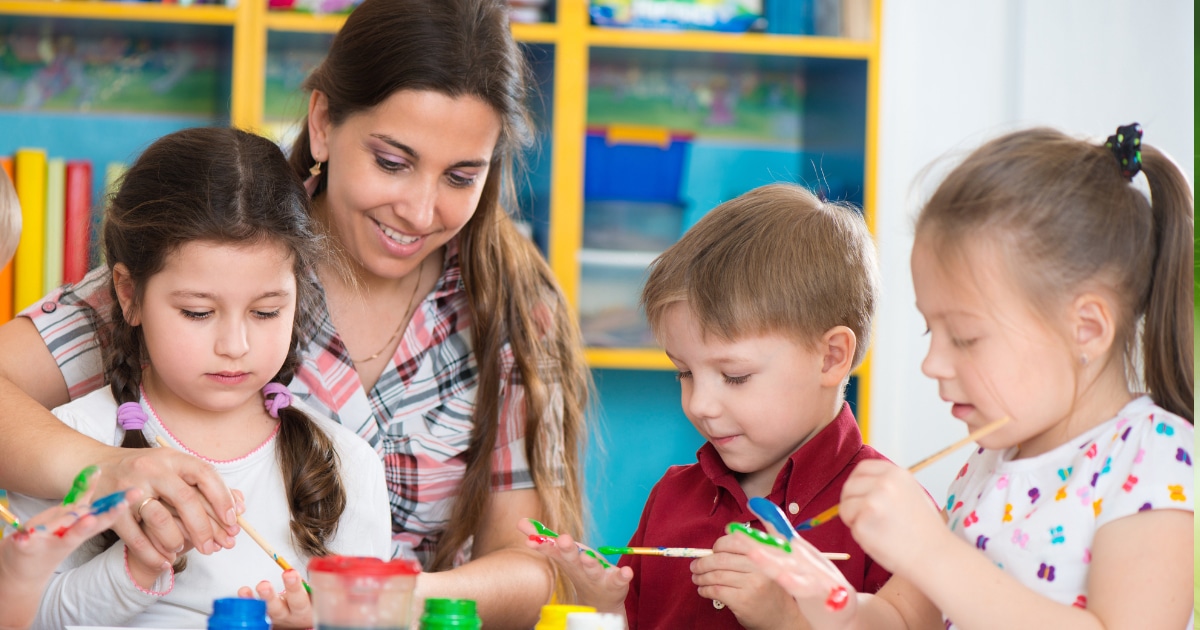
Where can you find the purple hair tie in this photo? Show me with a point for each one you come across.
(131, 417)
(283, 398)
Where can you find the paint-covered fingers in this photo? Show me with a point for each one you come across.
(817, 586)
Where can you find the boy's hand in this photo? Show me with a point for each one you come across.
(729, 577)
(891, 516)
(597, 586)
(290, 609)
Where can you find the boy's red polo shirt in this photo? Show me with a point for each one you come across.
(691, 505)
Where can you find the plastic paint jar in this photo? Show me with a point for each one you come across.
(236, 613)
(353, 593)
(595, 621)
(450, 614)
(554, 616)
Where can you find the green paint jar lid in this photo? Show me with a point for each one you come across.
(456, 614)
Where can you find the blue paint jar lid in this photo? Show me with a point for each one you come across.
(237, 613)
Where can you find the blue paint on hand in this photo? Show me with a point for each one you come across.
(768, 512)
(106, 503)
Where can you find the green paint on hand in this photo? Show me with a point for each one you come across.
(81, 484)
(543, 530)
(760, 536)
(604, 563)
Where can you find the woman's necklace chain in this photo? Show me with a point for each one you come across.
(407, 313)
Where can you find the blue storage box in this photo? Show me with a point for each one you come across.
(627, 171)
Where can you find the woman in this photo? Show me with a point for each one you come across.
(447, 344)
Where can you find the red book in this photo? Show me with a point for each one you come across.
(78, 220)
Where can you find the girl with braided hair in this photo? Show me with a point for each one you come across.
(209, 250)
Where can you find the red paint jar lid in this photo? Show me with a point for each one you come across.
(359, 565)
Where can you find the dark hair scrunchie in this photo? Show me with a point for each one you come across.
(1126, 145)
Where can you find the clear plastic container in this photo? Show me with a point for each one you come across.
(595, 621)
(352, 593)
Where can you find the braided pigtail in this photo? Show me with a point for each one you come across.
(309, 463)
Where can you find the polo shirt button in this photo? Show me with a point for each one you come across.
(49, 307)
(793, 509)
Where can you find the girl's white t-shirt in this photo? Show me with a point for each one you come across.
(93, 588)
(1036, 518)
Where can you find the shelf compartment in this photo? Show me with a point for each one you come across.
(744, 43)
(123, 12)
(298, 22)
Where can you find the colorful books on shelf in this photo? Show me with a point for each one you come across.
(57, 224)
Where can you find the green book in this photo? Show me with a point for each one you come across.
(56, 187)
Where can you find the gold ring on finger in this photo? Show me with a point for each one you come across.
(142, 505)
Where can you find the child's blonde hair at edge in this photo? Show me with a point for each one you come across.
(776, 259)
(1067, 220)
(10, 219)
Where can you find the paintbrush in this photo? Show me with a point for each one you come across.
(9, 517)
(262, 542)
(681, 552)
(975, 435)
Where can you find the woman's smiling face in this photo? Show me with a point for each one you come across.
(405, 176)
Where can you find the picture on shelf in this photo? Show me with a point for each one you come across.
(751, 104)
(51, 70)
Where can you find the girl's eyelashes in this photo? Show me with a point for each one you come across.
(682, 374)
(197, 315)
(962, 343)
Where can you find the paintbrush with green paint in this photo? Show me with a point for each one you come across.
(546, 532)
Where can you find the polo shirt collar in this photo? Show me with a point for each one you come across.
(819, 461)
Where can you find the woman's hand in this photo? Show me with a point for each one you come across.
(290, 609)
(184, 501)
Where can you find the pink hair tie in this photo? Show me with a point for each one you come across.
(283, 398)
(131, 417)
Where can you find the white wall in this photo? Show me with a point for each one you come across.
(957, 73)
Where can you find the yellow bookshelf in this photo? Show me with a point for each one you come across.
(573, 40)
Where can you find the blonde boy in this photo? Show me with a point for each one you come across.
(764, 307)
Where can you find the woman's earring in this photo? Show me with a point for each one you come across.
(1083, 359)
(314, 175)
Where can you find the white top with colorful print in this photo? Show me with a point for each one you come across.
(1036, 517)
